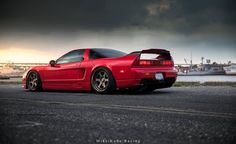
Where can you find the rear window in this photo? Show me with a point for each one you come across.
(146, 56)
(151, 56)
(105, 53)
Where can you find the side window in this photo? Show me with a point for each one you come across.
(73, 56)
(94, 55)
(104, 53)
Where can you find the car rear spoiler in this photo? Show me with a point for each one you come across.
(155, 51)
(152, 51)
(161, 57)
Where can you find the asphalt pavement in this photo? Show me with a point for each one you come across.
(179, 115)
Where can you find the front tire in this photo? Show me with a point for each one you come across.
(34, 82)
(102, 81)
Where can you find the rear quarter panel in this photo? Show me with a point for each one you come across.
(120, 67)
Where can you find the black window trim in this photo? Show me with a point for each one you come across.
(100, 49)
(71, 52)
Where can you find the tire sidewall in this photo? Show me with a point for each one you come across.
(111, 84)
(39, 83)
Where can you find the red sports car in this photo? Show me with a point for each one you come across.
(103, 71)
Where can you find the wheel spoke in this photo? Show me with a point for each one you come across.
(99, 85)
(35, 84)
(33, 81)
(103, 85)
(105, 75)
(101, 80)
(98, 80)
(100, 75)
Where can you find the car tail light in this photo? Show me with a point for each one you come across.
(145, 62)
(139, 62)
(167, 62)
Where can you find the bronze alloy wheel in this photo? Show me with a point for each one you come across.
(102, 81)
(33, 81)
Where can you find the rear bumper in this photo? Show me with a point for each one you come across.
(144, 76)
(168, 82)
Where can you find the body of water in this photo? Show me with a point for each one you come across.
(220, 78)
(202, 79)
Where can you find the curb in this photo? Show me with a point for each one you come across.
(209, 83)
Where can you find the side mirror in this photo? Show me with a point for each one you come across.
(52, 63)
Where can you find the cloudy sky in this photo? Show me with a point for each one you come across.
(37, 30)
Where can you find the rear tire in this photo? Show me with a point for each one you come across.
(102, 81)
(34, 82)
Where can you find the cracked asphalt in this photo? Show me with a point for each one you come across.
(179, 115)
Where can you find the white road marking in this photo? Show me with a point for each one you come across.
(136, 108)
(29, 124)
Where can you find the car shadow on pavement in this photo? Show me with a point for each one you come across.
(124, 92)
(117, 92)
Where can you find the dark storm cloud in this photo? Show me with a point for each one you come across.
(191, 15)
(186, 16)
(75, 13)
